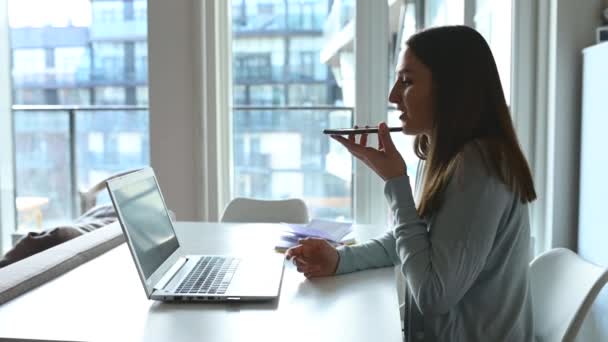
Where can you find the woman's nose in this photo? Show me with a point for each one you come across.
(393, 96)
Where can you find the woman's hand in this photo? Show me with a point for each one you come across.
(314, 257)
(385, 161)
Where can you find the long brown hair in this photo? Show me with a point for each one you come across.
(468, 105)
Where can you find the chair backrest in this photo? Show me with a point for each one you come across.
(564, 286)
(272, 211)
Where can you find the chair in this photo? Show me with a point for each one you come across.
(271, 211)
(563, 288)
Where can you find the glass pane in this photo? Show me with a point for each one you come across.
(444, 12)
(284, 55)
(401, 28)
(405, 145)
(108, 147)
(283, 154)
(42, 168)
(85, 53)
(493, 21)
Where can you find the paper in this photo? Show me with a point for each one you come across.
(336, 233)
(329, 230)
(286, 242)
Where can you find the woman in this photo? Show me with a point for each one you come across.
(463, 245)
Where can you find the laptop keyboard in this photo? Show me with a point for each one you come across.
(210, 275)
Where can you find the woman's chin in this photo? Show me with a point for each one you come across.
(407, 130)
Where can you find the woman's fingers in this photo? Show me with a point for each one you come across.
(352, 147)
(351, 137)
(363, 140)
(293, 252)
(314, 272)
(303, 250)
(384, 136)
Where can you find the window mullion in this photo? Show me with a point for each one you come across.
(215, 130)
(371, 72)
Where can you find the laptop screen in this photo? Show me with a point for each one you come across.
(144, 216)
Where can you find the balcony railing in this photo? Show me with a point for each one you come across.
(305, 120)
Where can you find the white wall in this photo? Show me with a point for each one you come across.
(573, 25)
(174, 112)
(592, 234)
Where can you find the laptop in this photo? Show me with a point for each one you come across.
(167, 273)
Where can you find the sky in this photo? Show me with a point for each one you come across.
(56, 13)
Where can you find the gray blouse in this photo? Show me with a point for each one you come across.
(466, 267)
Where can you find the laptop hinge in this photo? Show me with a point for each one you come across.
(170, 273)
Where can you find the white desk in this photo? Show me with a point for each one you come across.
(103, 300)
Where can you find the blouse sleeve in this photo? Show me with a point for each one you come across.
(378, 252)
(441, 260)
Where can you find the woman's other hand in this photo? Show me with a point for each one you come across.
(386, 161)
(314, 257)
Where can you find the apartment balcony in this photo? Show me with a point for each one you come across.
(82, 77)
(279, 24)
(280, 74)
(50, 78)
(139, 75)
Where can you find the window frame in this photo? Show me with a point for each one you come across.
(8, 214)
(369, 204)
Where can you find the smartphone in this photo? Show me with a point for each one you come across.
(347, 131)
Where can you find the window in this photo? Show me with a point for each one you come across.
(258, 15)
(493, 21)
(141, 62)
(308, 15)
(74, 96)
(400, 32)
(265, 9)
(253, 67)
(42, 162)
(107, 12)
(278, 152)
(70, 63)
(77, 52)
(96, 142)
(110, 95)
(141, 94)
(444, 12)
(29, 66)
(308, 94)
(109, 61)
(304, 64)
(141, 11)
(29, 96)
(266, 95)
(239, 95)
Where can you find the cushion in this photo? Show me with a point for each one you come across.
(35, 242)
(38, 269)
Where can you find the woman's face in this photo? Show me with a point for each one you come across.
(412, 93)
